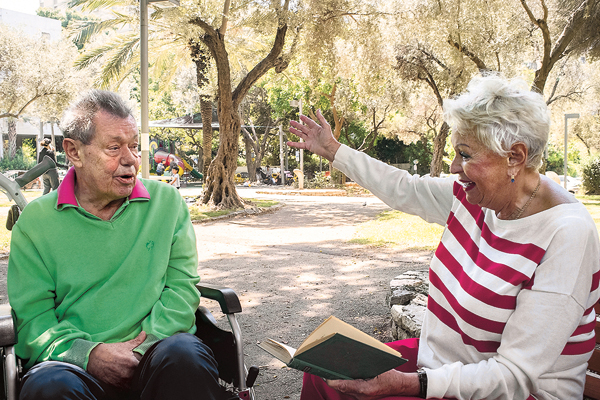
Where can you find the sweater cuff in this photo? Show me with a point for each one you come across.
(79, 353)
(146, 344)
(343, 155)
(437, 383)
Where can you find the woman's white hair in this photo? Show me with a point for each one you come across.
(500, 112)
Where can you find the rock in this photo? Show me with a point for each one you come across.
(400, 297)
(408, 302)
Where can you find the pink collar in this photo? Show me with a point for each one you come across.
(66, 190)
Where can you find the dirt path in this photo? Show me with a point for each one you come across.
(294, 268)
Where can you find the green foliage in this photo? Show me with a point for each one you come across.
(591, 177)
(395, 151)
(20, 161)
(555, 161)
(69, 17)
(354, 134)
(320, 181)
(281, 93)
(29, 149)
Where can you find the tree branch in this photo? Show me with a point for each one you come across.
(223, 27)
(569, 96)
(267, 63)
(529, 13)
(353, 14)
(464, 50)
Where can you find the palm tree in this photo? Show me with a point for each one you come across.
(121, 56)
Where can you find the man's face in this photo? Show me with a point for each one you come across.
(108, 166)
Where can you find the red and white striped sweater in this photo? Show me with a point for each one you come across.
(510, 309)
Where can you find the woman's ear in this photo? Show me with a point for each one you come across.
(73, 150)
(517, 157)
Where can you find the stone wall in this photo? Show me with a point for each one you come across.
(408, 301)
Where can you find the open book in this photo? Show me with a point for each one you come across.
(336, 350)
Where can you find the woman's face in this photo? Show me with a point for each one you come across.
(483, 174)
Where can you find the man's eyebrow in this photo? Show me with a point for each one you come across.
(118, 138)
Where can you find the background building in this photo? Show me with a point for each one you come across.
(40, 28)
(31, 24)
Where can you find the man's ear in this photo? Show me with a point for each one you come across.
(73, 150)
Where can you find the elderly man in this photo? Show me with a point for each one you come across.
(101, 274)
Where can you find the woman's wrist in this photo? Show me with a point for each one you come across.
(412, 386)
(333, 150)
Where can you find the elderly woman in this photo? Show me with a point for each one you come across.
(515, 276)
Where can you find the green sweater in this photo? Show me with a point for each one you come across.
(75, 281)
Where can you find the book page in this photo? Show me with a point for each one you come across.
(331, 326)
(278, 350)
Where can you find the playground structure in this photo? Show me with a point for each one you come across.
(170, 158)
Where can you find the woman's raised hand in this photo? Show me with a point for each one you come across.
(318, 139)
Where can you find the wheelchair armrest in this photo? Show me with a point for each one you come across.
(227, 298)
(8, 334)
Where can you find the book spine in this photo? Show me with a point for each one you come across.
(315, 370)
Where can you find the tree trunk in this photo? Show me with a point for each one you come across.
(207, 133)
(201, 160)
(219, 187)
(338, 122)
(12, 137)
(439, 142)
(250, 163)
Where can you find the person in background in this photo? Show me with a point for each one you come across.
(103, 291)
(514, 280)
(175, 176)
(50, 177)
(160, 168)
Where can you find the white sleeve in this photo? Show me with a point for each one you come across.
(429, 198)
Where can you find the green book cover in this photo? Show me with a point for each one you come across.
(336, 350)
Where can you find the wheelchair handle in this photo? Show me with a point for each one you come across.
(46, 164)
(252, 375)
(227, 298)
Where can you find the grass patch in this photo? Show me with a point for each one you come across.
(588, 198)
(202, 212)
(263, 203)
(399, 230)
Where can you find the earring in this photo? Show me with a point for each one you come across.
(512, 178)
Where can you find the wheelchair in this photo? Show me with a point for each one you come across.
(227, 346)
(236, 380)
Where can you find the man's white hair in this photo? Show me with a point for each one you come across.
(500, 112)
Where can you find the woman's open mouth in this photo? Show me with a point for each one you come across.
(467, 185)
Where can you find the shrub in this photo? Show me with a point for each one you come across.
(591, 177)
(320, 181)
(19, 161)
